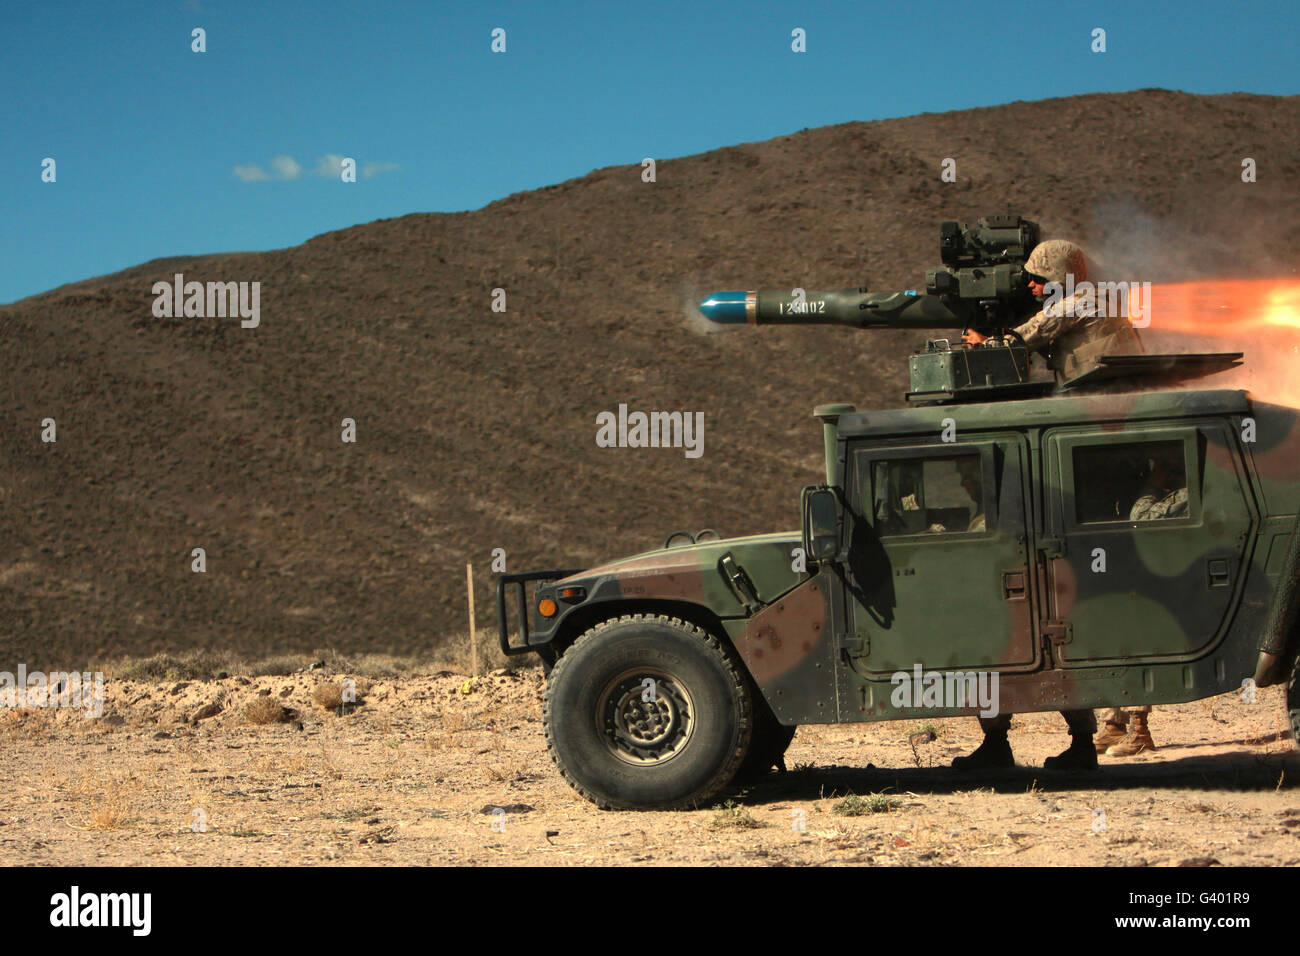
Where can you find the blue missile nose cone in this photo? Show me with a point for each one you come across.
(725, 308)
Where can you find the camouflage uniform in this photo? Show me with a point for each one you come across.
(1120, 715)
(1154, 505)
(1124, 737)
(1070, 333)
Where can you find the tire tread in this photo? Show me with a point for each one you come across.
(735, 674)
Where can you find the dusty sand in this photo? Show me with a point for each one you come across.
(405, 778)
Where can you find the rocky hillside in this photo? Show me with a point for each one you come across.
(476, 429)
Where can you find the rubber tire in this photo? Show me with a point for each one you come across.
(723, 715)
(1293, 698)
(770, 741)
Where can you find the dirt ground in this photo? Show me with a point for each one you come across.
(410, 775)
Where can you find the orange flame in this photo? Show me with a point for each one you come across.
(1260, 317)
(1224, 308)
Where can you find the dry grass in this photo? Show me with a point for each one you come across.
(267, 710)
(454, 654)
(111, 809)
(328, 766)
(455, 721)
(192, 665)
(730, 816)
(20, 721)
(507, 772)
(208, 665)
(108, 816)
(274, 767)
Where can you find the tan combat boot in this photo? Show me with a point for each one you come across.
(1112, 733)
(1136, 741)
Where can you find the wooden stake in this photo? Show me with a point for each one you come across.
(473, 641)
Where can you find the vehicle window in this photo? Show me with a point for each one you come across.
(928, 495)
(1138, 481)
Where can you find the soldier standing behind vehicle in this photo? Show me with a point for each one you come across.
(1122, 736)
(1070, 333)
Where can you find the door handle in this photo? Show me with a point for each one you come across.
(1013, 585)
(1219, 572)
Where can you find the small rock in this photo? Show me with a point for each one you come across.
(178, 687)
(507, 807)
(377, 836)
(204, 712)
(162, 735)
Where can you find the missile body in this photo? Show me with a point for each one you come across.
(858, 308)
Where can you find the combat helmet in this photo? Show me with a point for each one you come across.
(1055, 258)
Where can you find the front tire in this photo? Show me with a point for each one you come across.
(647, 712)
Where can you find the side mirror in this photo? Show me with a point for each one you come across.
(821, 523)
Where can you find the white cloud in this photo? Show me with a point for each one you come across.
(370, 169)
(286, 167)
(329, 166)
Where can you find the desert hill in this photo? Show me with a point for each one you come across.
(476, 429)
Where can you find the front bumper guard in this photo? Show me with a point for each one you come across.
(519, 584)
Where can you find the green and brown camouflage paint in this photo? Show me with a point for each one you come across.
(1182, 611)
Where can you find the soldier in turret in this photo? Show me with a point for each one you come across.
(1070, 330)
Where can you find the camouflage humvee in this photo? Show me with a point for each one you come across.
(1053, 552)
(672, 671)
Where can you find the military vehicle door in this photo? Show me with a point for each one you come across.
(1144, 539)
(938, 570)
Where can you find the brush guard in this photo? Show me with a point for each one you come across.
(519, 584)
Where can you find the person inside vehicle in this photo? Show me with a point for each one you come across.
(968, 471)
(1165, 492)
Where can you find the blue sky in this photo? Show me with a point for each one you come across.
(147, 135)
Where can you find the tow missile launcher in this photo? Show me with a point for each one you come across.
(981, 285)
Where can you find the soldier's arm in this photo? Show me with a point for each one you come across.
(1046, 326)
(1141, 510)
